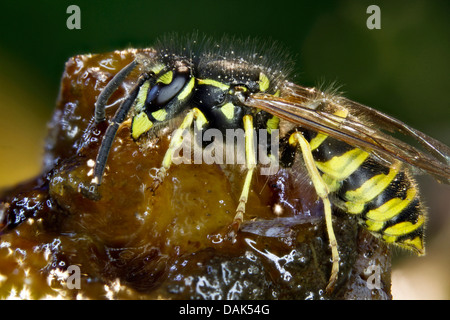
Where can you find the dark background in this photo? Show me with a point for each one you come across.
(402, 69)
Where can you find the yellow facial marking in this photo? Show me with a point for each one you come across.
(187, 90)
(157, 68)
(140, 125)
(142, 95)
(160, 115)
(228, 110)
(166, 78)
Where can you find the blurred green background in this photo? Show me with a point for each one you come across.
(402, 69)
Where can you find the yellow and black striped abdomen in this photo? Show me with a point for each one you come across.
(385, 199)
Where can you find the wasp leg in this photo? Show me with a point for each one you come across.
(322, 191)
(194, 115)
(109, 90)
(92, 191)
(250, 161)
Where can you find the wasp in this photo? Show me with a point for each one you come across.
(349, 150)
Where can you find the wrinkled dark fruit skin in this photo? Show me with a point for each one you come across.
(169, 243)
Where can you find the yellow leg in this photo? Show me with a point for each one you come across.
(176, 141)
(250, 161)
(322, 191)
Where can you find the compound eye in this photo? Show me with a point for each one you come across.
(167, 87)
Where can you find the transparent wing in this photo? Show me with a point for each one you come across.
(361, 128)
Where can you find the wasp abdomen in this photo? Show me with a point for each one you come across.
(385, 198)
